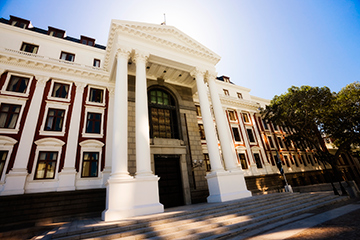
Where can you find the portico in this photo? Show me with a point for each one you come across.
(162, 54)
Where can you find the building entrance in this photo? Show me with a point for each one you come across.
(167, 167)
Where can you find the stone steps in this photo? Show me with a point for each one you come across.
(203, 221)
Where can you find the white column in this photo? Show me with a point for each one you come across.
(119, 156)
(210, 133)
(68, 173)
(109, 135)
(227, 145)
(15, 180)
(143, 160)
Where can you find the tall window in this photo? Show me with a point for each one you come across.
(226, 92)
(236, 133)
(30, 48)
(246, 118)
(162, 114)
(17, 84)
(266, 127)
(54, 120)
(250, 135)
(257, 160)
(202, 132)
(90, 164)
(96, 62)
(9, 114)
(281, 143)
(198, 111)
(96, 95)
(207, 162)
(232, 115)
(239, 95)
(93, 123)
(3, 155)
(60, 90)
(46, 165)
(243, 161)
(287, 160)
(271, 143)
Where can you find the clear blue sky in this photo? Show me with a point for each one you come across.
(265, 45)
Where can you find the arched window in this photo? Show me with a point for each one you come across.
(162, 114)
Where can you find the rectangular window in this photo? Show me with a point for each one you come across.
(9, 114)
(30, 48)
(243, 161)
(239, 95)
(56, 32)
(207, 162)
(236, 133)
(46, 165)
(3, 156)
(198, 111)
(60, 90)
(96, 95)
(295, 160)
(287, 160)
(17, 84)
(251, 135)
(272, 160)
(226, 92)
(281, 143)
(246, 118)
(96, 63)
(266, 127)
(54, 120)
(87, 41)
(304, 160)
(276, 127)
(67, 56)
(90, 164)
(232, 115)
(257, 160)
(202, 131)
(271, 143)
(93, 123)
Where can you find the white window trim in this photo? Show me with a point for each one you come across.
(92, 109)
(6, 144)
(272, 140)
(241, 139)
(252, 130)
(235, 115)
(246, 160)
(90, 146)
(47, 145)
(88, 96)
(282, 142)
(53, 81)
(248, 117)
(7, 80)
(55, 105)
(17, 101)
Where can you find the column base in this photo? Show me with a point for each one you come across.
(15, 182)
(67, 180)
(131, 197)
(227, 186)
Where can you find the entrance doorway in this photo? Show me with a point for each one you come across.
(167, 167)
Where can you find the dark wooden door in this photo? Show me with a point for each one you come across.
(167, 167)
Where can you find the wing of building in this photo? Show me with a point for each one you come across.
(145, 117)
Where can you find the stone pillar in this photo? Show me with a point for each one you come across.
(68, 173)
(143, 160)
(15, 180)
(227, 145)
(210, 133)
(109, 135)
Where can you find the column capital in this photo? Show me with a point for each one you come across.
(111, 91)
(210, 75)
(41, 80)
(196, 72)
(80, 86)
(123, 52)
(140, 56)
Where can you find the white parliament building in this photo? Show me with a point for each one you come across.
(145, 117)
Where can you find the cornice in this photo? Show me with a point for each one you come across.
(138, 31)
(28, 60)
(239, 102)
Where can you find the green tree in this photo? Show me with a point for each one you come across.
(314, 112)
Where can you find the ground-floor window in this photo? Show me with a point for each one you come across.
(257, 160)
(90, 164)
(46, 165)
(207, 162)
(243, 161)
(3, 156)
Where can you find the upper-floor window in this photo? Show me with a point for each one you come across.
(271, 143)
(236, 133)
(3, 156)
(207, 162)
(198, 111)
(266, 127)
(232, 115)
(56, 32)
(281, 143)
(96, 95)
(257, 160)
(67, 56)
(60, 90)
(87, 41)
(250, 135)
(9, 114)
(239, 95)
(54, 120)
(18, 84)
(96, 62)
(93, 123)
(202, 132)
(19, 22)
(226, 92)
(246, 117)
(30, 48)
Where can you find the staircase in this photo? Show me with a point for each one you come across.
(200, 221)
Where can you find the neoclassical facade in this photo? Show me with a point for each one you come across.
(145, 117)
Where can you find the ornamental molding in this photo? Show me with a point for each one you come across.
(19, 59)
(140, 56)
(149, 31)
(232, 101)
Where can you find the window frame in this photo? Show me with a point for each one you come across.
(97, 63)
(67, 54)
(90, 145)
(245, 161)
(253, 134)
(56, 110)
(271, 142)
(233, 134)
(198, 110)
(97, 110)
(59, 106)
(234, 114)
(25, 44)
(256, 162)
(246, 115)
(89, 92)
(202, 132)
(14, 101)
(281, 142)
(239, 95)
(53, 82)
(6, 144)
(7, 81)
(226, 92)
